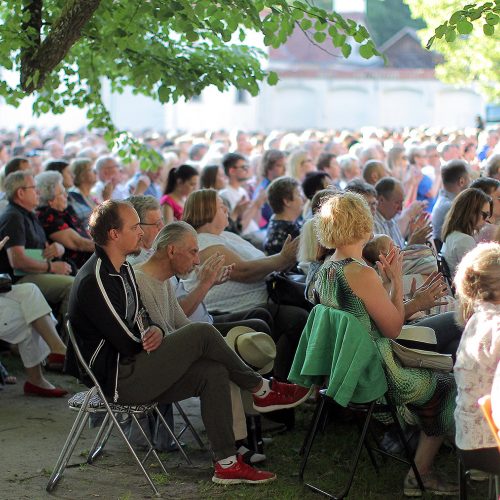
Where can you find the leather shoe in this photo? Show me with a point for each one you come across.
(34, 390)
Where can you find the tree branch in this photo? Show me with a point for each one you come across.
(38, 60)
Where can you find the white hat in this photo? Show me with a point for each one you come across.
(256, 349)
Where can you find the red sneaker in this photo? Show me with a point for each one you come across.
(240, 472)
(289, 389)
(288, 396)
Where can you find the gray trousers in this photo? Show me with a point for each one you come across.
(193, 361)
(54, 287)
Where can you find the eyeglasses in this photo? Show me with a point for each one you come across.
(28, 187)
(485, 215)
(158, 224)
(243, 167)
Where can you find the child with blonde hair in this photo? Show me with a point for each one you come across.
(478, 289)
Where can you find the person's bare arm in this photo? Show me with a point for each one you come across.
(69, 238)
(386, 311)
(428, 295)
(253, 210)
(168, 213)
(253, 271)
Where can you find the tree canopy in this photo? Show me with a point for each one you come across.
(467, 36)
(166, 49)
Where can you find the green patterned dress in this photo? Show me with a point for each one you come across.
(423, 396)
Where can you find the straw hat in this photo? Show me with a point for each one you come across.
(256, 349)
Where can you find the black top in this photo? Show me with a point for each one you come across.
(24, 230)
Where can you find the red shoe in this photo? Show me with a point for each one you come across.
(289, 396)
(289, 389)
(240, 472)
(34, 390)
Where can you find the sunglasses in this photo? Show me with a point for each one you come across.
(485, 215)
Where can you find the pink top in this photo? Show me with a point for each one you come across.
(178, 209)
(478, 357)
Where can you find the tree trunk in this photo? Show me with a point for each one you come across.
(38, 60)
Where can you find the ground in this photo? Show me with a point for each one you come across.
(33, 430)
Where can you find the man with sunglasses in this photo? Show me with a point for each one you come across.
(27, 256)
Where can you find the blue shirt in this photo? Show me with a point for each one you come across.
(423, 188)
(266, 211)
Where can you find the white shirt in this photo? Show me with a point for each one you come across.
(232, 296)
(455, 247)
(478, 358)
(234, 196)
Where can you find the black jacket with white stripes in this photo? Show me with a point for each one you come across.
(98, 315)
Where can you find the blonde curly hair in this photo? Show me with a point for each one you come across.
(478, 279)
(343, 219)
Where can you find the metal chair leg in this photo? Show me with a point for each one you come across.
(173, 436)
(462, 481)
(408, 453)
(150, 444)
(116, 424)
(313, 430)
(67, 450)
(189, 426)
(100, 439)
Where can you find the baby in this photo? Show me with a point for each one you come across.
(379, 244)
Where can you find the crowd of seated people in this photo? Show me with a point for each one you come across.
(368, 217)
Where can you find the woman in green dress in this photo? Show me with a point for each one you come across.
(345, 282)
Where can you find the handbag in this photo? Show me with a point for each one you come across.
(288, 289)
(419, 358)
(5, 283)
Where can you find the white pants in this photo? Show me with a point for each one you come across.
(18, 309)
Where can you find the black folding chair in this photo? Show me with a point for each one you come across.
(94, 401)
(444, 269)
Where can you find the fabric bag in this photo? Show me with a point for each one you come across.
(288, 289)
(418, 358)
(5, 283)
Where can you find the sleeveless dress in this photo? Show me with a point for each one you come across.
(422, 396)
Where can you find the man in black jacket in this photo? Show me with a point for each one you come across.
(135, 363)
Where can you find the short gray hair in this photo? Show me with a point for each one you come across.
(143, 204)
(14, 181)
(46, 183)
(172, 233)
(102, 160)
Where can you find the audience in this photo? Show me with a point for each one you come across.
(228, 285)
(478, 289)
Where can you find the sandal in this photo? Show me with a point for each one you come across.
(434, 484)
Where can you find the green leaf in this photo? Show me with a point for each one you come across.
(492, 18)
(366, 51)
(272, 78)
(441, 30)
(297, 14)
(456, 17)
(464, 27)
(306, 24)
(319, 37)
(451, 36)
(164, 93)
(488, 29)
(346, 50)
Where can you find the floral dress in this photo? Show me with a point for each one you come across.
(423, 396)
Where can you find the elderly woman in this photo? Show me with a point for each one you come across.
(246, 289)
(26, 322)
(345, 282)
(59, 221)
(79, 195)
